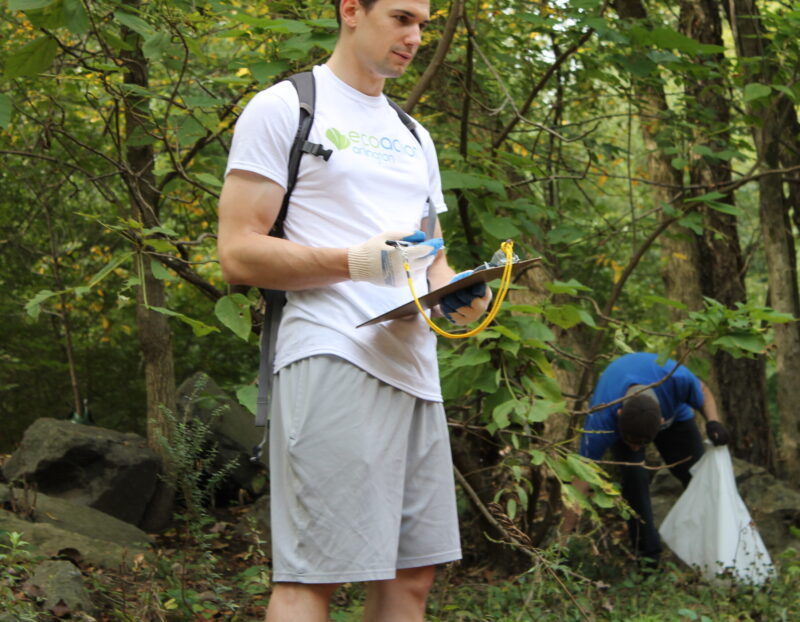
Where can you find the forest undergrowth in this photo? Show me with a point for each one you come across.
(225, 576)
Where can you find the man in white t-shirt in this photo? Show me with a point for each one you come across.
(360, 471)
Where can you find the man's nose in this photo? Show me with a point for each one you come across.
(413, 37)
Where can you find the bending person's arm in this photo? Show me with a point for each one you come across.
(715, 430)
(709, 410)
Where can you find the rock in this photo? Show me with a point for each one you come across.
(60, 584)
(113, 472)
(233, 428)
(54, 541)
(77, 518)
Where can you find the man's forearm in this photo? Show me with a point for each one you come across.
(709, 410)
(276, 263)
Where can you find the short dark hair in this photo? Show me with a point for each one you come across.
(367, 4)
(640, 419)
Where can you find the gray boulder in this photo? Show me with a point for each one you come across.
(74, 518)
(114, 472)
(53, 541)
(233, 429)
(60, 584)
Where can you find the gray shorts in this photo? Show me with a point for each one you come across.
(361, 477)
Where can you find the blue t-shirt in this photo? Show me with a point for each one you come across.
(677, 396)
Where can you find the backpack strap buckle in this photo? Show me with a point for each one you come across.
(316, 149)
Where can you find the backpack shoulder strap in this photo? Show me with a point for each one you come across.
(306, 93)
(275, 299)
(405, 118)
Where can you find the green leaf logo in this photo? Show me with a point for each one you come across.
(339, 140)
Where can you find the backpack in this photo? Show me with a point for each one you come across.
(275, 299)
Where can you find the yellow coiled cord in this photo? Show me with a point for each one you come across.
(505, 282)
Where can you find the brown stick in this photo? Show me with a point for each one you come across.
(438, 57)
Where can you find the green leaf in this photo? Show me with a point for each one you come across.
(202, 101)
(547, 388)
(500, 228)
(248, 396)
(571, 287)
(235, 315)
(75, 16)
(754, 91)
(511, 508)
(565, 316)
(537, 457)
(583, 470)
(542, 409)
(501, 412)
(587, 318)
(693, 221)
(29, 5)
(471, 357)
(160, 272)
(109, 267)
(198, 328)
(155, 45)
(507, 332)
(786, 91)
(33, 306)
(705, 198)
(190, 131)
(208, 179)
(464, 181)
(744, 341)
(726, 208)
(6, 107)
(32, 58)
(558, 467)
(265, 71)
(160, 245)
(538, 331)
(136, 24)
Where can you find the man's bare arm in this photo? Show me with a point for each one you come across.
(709, 410)
(248, 207)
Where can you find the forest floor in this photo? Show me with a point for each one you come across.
(222, 572)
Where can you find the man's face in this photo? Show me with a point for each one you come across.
(387, 36)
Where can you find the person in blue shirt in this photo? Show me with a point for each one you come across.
(637, 401)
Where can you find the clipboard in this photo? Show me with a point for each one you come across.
(431, 299)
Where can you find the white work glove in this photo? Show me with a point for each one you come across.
(380, 263)
(465, 306)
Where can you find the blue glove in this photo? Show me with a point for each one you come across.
(466, 305)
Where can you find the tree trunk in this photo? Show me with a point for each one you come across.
(679, 246)
(752, 42)
(152, 326)
(739, 384)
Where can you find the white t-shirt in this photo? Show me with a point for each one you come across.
(377, 179)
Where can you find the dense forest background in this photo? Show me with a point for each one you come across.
(648, 152)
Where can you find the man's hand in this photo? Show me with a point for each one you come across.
(466, 305)
(717, 433)
(380, 263)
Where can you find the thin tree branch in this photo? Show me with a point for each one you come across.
(438, 57)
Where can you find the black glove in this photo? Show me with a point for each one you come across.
(717, 433)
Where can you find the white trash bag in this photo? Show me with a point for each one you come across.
(709, 525)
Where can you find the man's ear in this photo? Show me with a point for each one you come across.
(619, 411)
(348, 10)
